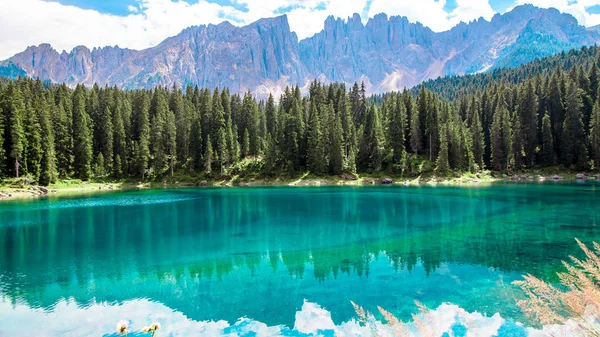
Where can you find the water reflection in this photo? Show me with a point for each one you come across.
(225, 253)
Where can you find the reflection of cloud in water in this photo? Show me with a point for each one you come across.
(69, 319)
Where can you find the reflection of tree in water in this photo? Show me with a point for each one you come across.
(333, 231)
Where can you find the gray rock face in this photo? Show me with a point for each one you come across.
(265, 56)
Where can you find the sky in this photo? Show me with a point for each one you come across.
(139, 24)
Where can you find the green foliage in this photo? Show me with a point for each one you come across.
(544, 113)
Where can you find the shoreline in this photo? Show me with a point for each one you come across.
(71, 188)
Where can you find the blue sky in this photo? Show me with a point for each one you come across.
(121, 7)
(139, 24)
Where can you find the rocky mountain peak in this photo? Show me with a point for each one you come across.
(387, 53)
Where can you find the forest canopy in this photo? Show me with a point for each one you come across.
(545, 113)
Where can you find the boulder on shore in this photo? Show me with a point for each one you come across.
(348, 176)
(203, 183)
(387, 181)
(557, 177)
(580, 176)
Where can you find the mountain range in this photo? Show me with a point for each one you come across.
(386, 53)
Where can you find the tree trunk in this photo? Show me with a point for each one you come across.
(17, 167)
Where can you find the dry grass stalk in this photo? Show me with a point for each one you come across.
(394, 326)
(578, 305)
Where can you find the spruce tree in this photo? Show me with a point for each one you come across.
(82, 136)
(196, 139)
(119, 142)
(501, 136)
(208, 156)
(232, 143)
(370, 151)
(2, 152)
(442, 161)
(271, 115)
(528, 120)
(182, 110)
(396, 127)
(246, 144)
(336, 153)
(573, 133)
(477, 141)
(595, 136)
(517, 141)
(555, 108)
(62, 121)
(141, 134)
(158, 127)
(104, 137)
(316, 155)
(416, 144)
(547, 156)
(219, 131)
(33, 133)
(48, 171)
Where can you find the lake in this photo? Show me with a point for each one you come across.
(282, 260)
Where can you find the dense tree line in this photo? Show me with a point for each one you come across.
(51, 131)
(452, 87)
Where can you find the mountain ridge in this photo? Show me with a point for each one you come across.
(387, 53)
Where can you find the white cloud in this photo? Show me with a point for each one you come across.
(431, 13)
(577, 8)
(31, 22)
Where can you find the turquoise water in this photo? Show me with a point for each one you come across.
(188, 257)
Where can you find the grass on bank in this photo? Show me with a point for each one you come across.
(251, 172)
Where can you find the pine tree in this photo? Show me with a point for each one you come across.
(336, 153)
(270, 155)
(271, 115)
(14, 110)
(219, 131)
(396, 127)
(141, 134)
(33, 133)
(595, 136)
(232, 145)
(208, 156)
(250, 110)
(2, 152)
(547, 156)
(246, 144)
(104, 137)
(442, 160)
(573, 133)
(82, 136)
(555, 108)
(501, 135)
(158, 125)
(196, 149)
(416, 144)
(119, 142)
(370, 152)
(528, 119)
(48, 161)
(316, 155)
(182, 110)
(477, 141)
(62, 121)
(517, 141)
